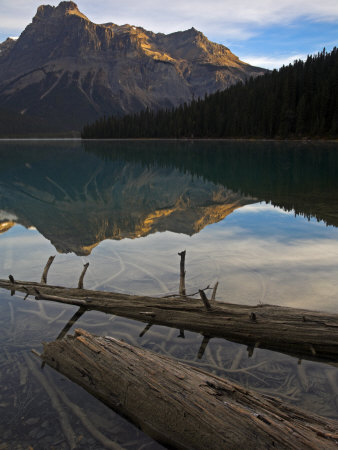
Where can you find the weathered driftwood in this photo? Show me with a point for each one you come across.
(46, 269)
(205, 300)
(302, 333)
(181, 289)
(83, 273)
(213, 295)
(184, 407)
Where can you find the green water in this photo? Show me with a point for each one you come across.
(260, 218)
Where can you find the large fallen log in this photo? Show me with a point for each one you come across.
(181, 406)
(302, 333)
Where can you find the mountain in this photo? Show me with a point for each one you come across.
(6, 46)
(65, 70)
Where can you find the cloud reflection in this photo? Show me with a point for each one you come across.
(277, 267)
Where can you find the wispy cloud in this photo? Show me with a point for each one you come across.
(175, 15)
(244, 12)
(261, 207)
(272, 62)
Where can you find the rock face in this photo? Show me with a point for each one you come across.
(69, 70)
(6, 46)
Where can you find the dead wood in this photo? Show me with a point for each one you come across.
(203, 347)
(181, 406)
(182, 273)
(213, 295)
(46, 269)
(80, 284)
(301, 333)
(205, 300)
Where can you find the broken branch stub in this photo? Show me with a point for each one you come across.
(46, 269)
(182, 273)
(205, 300)
(213, 295)
(80, 283)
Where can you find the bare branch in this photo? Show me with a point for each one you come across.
(46, 269)
(182, 273)
(205, 300)
(80, 283)
(187, 295)
(213, 295)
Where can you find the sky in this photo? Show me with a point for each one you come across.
(267, 33)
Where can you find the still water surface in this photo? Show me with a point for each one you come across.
(260, 218)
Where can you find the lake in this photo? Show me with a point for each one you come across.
(260, 218)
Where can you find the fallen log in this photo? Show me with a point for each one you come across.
(301, 333)
(181, 406)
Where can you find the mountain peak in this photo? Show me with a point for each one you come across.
(6, 46)
(65, 70)
(67, 5)
(63, 9)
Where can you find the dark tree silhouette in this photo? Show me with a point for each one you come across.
(300, 100)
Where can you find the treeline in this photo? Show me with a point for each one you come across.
(300, 100)
(16, 125)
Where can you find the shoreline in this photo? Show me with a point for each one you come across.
(170, 139)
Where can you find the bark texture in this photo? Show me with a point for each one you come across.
(181, 406)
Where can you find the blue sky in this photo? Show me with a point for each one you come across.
(268, 33)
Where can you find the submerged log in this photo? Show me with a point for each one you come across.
(301, 333)
(181, 406)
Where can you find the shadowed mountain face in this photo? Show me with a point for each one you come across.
(78, 198)
(67, 70)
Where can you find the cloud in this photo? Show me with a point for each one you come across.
(264, 33)
(291, 263)
(272, 62)
(261, 207)
(277, 268)
(260, 12)
(214, 16)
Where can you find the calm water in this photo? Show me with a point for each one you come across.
(260, 218)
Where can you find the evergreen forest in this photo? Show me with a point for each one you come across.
(296, 101)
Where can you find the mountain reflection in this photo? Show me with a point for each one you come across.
(78, 194)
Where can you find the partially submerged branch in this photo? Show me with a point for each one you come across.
(301, 333)
(275, 328)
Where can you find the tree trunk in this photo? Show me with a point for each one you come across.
(301, 333)
(184, 407)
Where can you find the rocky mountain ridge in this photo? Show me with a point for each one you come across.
(69, 71)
